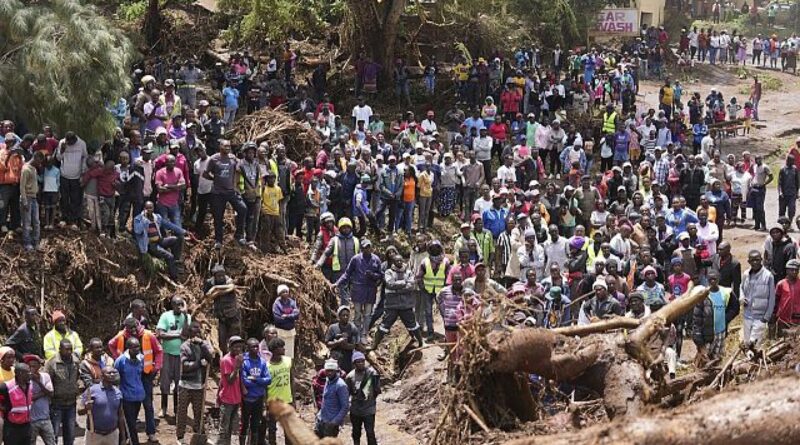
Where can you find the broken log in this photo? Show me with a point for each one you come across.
(761, 413)
(599, 327)
(637, 341)
(294, 428)
(533, 351)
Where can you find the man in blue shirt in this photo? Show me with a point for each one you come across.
(494, 219)
(256, 378)
(104, 400)
(231, 95)
(130, 366)
(335, 402)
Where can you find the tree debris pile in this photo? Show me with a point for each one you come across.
(513, 381)
(276, 126)
(95, 279)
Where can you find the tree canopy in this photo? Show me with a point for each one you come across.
(60, 64)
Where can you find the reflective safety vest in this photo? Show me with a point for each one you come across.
(433, 281)
(21, 401)
(335, 265)
(609, 122)
(147, 349)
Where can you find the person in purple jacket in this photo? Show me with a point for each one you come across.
(364, 275)
(447, 300)
(285, 314)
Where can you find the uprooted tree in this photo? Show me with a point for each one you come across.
(495, 364)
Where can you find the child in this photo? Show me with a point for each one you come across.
(51, 182)
(748, 116)
(574, 175)
(733, 109)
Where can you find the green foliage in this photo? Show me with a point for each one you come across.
(60, 63)
(562, 22)
(132, 11)
(255, 21)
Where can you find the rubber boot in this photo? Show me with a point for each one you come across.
(417, 334)
(377, 340)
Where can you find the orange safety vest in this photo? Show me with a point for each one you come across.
(20, 413)
(147, 350)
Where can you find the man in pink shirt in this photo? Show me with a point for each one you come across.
(230, 389)
(170, 183)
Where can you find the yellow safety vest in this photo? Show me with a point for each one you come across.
(610, 122)
(433, 281)
(335, 265)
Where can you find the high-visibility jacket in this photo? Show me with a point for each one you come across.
(610, 122)
(335, 264)
(147, 349)
(52, 340)
(21, 401)
(433, 281)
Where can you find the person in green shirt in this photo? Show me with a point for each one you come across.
(171, 331)
(280, 368)
(484, 239)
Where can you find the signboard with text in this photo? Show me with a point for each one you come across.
(620, 22)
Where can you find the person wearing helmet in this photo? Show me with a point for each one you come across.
(341, 249)
(327, 231)
(143, 97)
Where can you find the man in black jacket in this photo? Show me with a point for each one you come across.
(692, 181)
(27, 339)
(196, 354)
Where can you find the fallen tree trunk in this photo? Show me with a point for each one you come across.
(534, 351)
(637, 342)
(294, 428)
(764, 412)
(599, 327)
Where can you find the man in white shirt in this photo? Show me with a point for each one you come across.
(693, 42)
(507, 173)
(556, 248)
(361, 112)
(621, 242)
(707, 147)
(428, 125)
(707, 231)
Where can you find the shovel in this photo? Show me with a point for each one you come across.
(200, 438)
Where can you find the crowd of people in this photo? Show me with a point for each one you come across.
(577, 222)
(720, 47)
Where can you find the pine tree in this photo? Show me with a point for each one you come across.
(60, 63)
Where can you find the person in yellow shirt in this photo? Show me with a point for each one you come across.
(61, 331)
(271, 196)
(425, 184)
(7, 359)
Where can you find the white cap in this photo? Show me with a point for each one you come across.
(282, 288)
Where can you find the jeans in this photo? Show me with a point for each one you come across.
(251, 421)
(470, 196)
(229, 421)
(44, 429)
(786, 204)
(251, 218)
(168, 249)
(218, 203)
(427, 300)
(149, 412)
(173, 214)
(63, 419)
(408, 217)
(392, 205)
(30, 223)
(712, 55)
(131, 411)
(425, 204)
(230, 115)
(369, 427)
(125, 205)
(71, 200)
(9, 205)
(363, 312)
